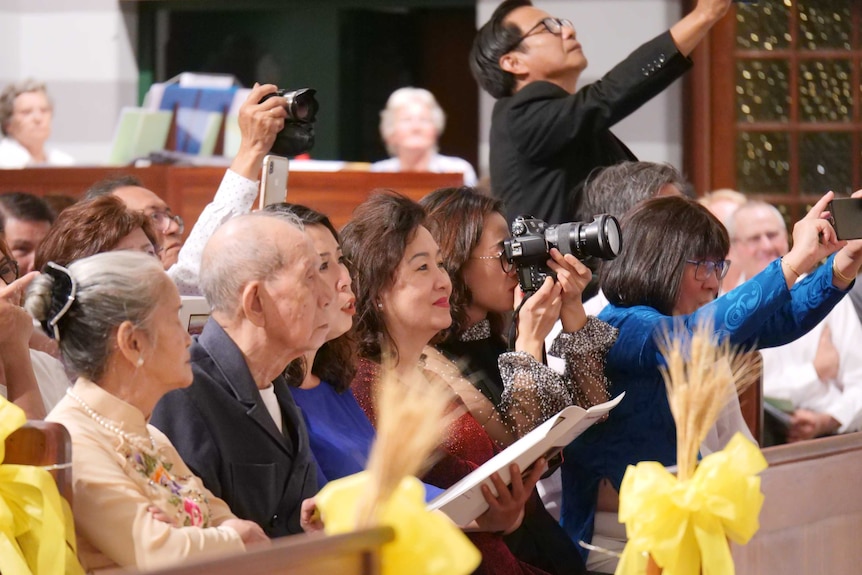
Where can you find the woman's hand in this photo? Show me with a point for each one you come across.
(309, 517)
(506, 510)
(573, 276)
(813, 239)
(160, 515)
(537, 317)
(249, 531)
(849, 259)
(14, 292)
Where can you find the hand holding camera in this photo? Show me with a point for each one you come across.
(537, 316)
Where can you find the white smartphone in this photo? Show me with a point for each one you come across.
(273, 180)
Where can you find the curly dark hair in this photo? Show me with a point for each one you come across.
(334, 361)
(459, 216)
(91, 227)
(659, 235)
(374, 242)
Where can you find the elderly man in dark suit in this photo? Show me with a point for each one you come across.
(546, 137)
(237, 426)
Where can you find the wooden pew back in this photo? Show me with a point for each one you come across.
(350, 554)
(812, 513)
(43, 443)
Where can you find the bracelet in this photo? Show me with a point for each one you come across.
(793, 269)
(839, 275)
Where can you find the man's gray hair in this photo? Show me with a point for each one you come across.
(12, 91)
(111, 288)
(753, 205)
(226, 267)
(617, 189)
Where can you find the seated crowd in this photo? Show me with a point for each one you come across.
(189, 447)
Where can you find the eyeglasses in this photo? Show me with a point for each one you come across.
(507, 265)
(8, 270)
(706, 268)
(163, 221)
(552, 25)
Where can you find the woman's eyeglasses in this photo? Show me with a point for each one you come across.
(552, 25)
(8, 270)
(507, 265)
(706, 268)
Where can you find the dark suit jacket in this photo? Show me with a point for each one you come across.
(545, 141)
(222, 430)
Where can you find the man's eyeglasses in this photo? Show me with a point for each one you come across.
(552, 25)
(504, 262)
(163, 221)
(8, 270)
(706, 268)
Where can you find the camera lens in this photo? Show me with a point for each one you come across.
(600, 238)
(301, 105)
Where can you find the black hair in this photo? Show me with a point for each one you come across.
(492, 41)
(108, 185)
(25, 207)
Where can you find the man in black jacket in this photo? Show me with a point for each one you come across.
(546, 137)
(237, 426)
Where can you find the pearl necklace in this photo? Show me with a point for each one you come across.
(134, 440)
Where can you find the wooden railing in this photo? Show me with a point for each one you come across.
(189, 189)
(812, 513)
(351, 554)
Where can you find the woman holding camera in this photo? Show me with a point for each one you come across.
(137, 504)
(471, 228)
(667, 278)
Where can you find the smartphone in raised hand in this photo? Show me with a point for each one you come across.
(273, 180)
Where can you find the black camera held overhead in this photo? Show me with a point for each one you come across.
(532, 239)
(297, 136)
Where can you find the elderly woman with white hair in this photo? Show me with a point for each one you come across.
(410, 126)
(26, 112)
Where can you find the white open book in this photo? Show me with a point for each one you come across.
(463, 502)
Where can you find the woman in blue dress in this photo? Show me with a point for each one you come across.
(668, 277)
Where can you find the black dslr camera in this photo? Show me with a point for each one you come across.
(297, 136)
(532, 239)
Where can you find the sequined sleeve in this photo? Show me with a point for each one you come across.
(585, 352)
(532, 392)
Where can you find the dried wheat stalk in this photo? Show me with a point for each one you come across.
(411, 419)
(700, 375)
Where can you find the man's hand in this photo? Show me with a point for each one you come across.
(688, 32)
(258, 126)
(805, 424)
(309, 516)
(826, 360)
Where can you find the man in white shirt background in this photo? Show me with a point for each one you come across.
(820, 374)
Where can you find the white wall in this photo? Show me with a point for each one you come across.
(609, 30)
(84, 50)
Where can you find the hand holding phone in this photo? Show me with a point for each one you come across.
(273, 180)
(846, 217)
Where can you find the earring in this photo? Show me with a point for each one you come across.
(140, 362)
(379, 306)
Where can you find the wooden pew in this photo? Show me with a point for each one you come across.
(350, 554)
(812, 513)
(189, 189)
(43, 443)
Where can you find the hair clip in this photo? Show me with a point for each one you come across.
(69, 289)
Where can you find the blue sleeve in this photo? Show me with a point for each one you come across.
(761, 312)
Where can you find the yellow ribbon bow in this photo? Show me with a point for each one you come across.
(37, 536)
(686, 525)
(425, 543)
